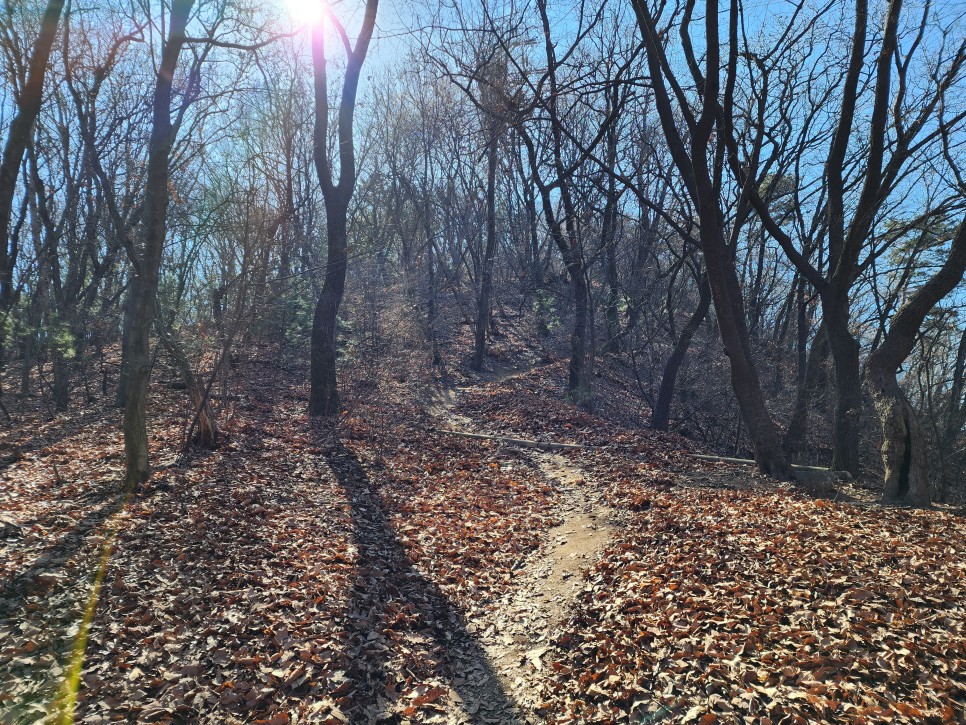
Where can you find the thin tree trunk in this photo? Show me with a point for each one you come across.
(144, 291)
(60, 369)
(207, 435)
(661, 415)
(580, 370)
(324, 389)
(18, 136)
(808, 381)
(489, 253)
(127, 319)
(608, 233)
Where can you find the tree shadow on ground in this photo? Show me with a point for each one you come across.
(55, 556)
(390, 596)
(20, 437)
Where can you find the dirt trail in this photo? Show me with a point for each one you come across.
(518, 630)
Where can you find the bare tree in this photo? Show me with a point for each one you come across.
(700, 168)
(144, 286)
(324, 393)
(903, 445)
(865, 166)
(18, 137)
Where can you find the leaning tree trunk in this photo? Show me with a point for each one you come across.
(744, 376)
(154, 230)
(733, 328)
(903, 446)
(207, 433)
(701, 179)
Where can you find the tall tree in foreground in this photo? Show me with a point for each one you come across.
(700, 167)
(144, 286)
(324, 393)
(903, 445)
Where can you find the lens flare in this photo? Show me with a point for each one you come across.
(306, 12)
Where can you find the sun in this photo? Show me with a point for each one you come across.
(306, 12)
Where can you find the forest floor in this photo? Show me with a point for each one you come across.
(387, 570)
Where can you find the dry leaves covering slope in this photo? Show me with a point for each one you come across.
(723, 605)
(298, 576)
(301, 576)
(740, 607)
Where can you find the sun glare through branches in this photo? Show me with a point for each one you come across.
(306, 12)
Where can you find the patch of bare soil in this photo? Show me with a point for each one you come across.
(519, 628)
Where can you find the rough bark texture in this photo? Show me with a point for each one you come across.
(906, 478)
(154, 230)
(903, 446)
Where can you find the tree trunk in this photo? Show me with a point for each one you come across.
(848, 383)
(744, 377)
(207, 435)
(144, 291)
(60, 368)
(903, 445)
(660, 416)
(486, 273)
(18, 136)
(608, 233)
(124, 378)
(324, 392)
(580, 369)
(702, 180)
(807, 383)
